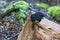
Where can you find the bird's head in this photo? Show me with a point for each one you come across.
(37, 16)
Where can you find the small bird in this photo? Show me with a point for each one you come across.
(36, 17)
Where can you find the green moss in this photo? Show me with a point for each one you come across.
(43, 5)
(21, 16)
(21, 5)
(54, 12)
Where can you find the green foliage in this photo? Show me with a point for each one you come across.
(22, 21)
(21, 5)
(43, 5)
(7, 11)
(21, 16)
(54, 13)
(20, 8)
(8, 8)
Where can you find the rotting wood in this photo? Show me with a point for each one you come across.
(27, 33)
(47, 30)
(50, 27)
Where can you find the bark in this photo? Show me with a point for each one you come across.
(27, 33)
(45, 31)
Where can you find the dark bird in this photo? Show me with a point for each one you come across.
(36, 17)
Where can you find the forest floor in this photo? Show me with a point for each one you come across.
(9, 26)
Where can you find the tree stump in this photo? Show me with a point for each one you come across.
(45, 30)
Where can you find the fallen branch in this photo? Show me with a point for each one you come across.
(46, 26)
